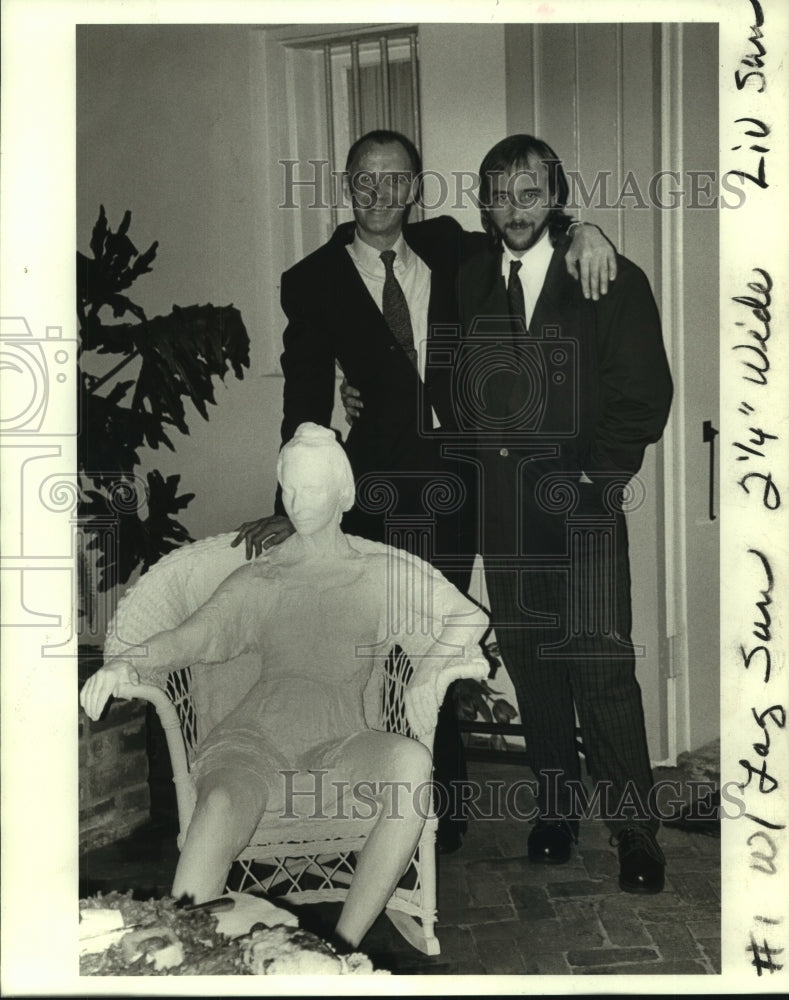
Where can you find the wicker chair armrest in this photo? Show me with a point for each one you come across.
(444, 672)
(476, 668)
(182, 779)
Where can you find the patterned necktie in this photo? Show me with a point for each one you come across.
(515, 296)
(395, 308)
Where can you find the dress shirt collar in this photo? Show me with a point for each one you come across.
(534, 261)
(370, 258)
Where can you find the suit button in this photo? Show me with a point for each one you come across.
(504, 452)
(391, 347)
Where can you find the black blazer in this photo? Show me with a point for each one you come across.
(593, 404)
(333, 318)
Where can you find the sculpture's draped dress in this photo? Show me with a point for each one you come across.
(311, 631)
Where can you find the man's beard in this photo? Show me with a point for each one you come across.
(521, 228)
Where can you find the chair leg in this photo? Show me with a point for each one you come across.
(420, 931)
(419, 935)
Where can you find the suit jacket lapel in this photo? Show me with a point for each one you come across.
(553, 299)
(441, 303)
(483, 292)
(360, 307)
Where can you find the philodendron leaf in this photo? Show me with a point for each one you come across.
(123, 228)
(142, 533)
(99, 233)
(121, 304)
(143, 262)
(182, 353)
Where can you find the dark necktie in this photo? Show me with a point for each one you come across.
(515, 296)
(395, 308)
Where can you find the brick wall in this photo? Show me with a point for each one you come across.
(114, 795)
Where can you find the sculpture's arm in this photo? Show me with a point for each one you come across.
(439, 666)
(219, 630)
(168, 650)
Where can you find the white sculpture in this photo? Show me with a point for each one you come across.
(316, 609)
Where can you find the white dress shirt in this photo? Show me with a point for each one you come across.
(534, 267)
(413, 276)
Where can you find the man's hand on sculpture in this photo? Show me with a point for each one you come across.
(591, 258)
(262, 534)
(104, 684)
(351, 401)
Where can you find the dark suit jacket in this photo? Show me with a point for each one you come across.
(333, 318)
(592, 404)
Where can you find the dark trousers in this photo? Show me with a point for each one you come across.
(594, 673)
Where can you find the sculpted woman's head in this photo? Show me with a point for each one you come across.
(316, 478)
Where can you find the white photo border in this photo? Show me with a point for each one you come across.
(39, 703)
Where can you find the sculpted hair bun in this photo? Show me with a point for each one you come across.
(309, 433)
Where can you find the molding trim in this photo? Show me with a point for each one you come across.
(674, 465)
(620, 130)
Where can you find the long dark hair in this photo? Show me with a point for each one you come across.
(513, 153)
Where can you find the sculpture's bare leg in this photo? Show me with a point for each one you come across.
(229, 807)
(401, 816)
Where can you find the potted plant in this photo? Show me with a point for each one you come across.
(150, 366)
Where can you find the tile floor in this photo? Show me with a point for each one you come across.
(500, 914)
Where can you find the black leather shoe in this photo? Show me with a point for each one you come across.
(551, 841)
(642, 865)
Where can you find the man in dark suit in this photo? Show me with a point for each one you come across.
(561, 395)
(368, 301)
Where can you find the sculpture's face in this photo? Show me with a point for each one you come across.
(310, 490)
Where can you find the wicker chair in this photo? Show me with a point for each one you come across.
(305, 861)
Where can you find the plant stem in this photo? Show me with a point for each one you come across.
(121, 364)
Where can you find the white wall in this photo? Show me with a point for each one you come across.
(169, 126)
(462, 82)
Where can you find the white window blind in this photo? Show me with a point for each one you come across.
(371, 82)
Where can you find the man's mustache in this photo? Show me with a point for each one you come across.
(372, 201)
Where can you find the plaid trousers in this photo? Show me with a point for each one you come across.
(564, 636)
